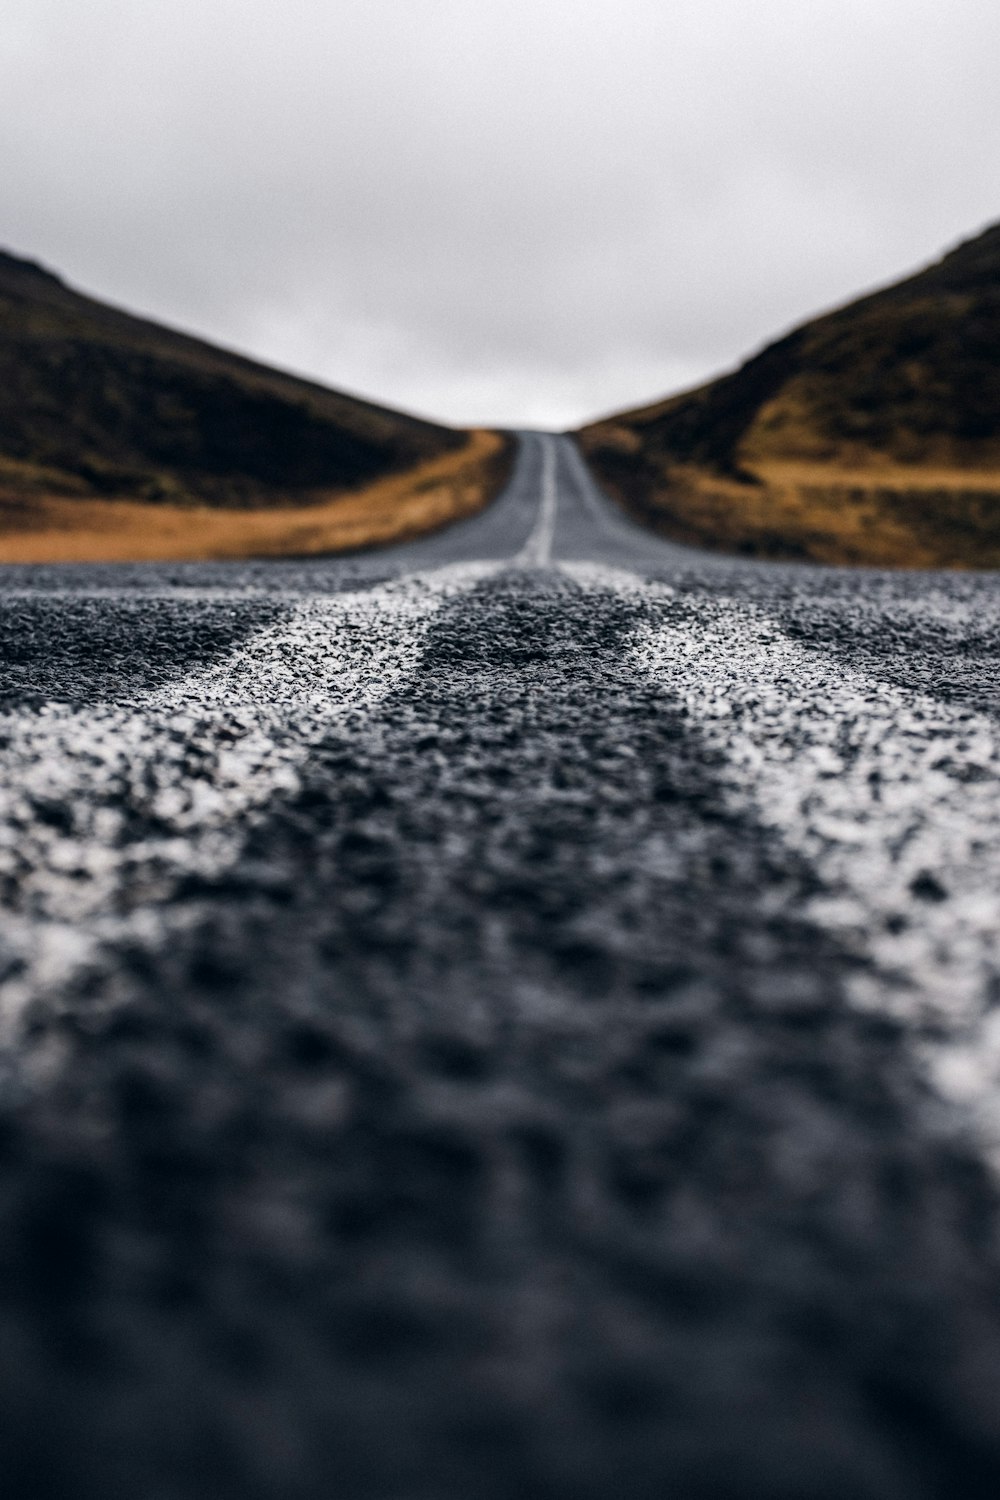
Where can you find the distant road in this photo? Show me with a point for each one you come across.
(514, 1015)
(552, 511)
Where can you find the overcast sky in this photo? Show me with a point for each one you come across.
(507, 211)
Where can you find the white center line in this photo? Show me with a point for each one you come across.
(537, 550)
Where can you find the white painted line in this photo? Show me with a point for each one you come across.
(537, 550)
(200, 760)
(879, 787)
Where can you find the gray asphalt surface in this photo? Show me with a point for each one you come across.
(511, 1016)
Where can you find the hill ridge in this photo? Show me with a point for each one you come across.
(121, 438)
(102, 401)
(899, 384)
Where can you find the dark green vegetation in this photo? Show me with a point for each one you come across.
(96, 403)
(870, 434)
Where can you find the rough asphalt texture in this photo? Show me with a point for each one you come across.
(515, 1016)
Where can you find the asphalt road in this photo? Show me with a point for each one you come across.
(512, 1016)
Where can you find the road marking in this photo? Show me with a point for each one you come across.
(886, 791)
(537, 550)
(167, 787)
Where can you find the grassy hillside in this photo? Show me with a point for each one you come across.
(869, 435)
(120, 438)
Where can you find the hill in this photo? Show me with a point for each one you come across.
(121, 438)
(869, 435)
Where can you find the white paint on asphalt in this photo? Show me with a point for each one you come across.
(200, 759)
(891, 796)
(537, 550)
(888, 793)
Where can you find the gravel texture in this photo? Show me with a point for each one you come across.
(511, 1017)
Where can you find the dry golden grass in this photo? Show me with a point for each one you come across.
(46, 528)
(869, 435)
(888, 516)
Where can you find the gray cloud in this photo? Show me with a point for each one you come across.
(495, 210)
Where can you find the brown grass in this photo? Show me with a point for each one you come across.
(46, 528)
(888, 516)
(869, 435)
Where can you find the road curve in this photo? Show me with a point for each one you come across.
(510, 1015)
